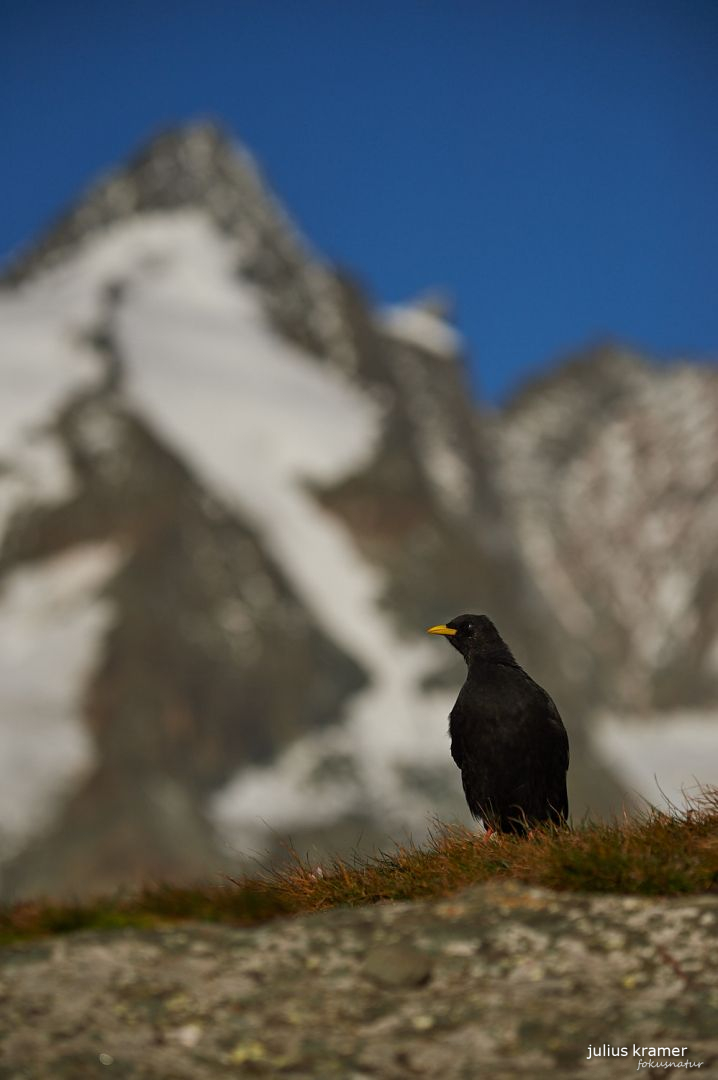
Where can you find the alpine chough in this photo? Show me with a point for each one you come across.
(506, 734)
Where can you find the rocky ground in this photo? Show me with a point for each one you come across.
(499, 981)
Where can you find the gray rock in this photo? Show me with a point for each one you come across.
(523, 981)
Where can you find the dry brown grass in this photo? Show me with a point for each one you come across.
(653, 854)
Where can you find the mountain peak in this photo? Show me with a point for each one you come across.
(602, 369)
(192, 165)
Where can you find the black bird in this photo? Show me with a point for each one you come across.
(506, 734)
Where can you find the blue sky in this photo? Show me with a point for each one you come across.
(552, 164)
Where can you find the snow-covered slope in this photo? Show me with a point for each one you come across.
(52, 617)
(52, 623)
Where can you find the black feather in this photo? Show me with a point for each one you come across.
(506, 735)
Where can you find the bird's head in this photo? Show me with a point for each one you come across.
(476, 638)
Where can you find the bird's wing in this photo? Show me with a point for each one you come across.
(535, 755)
(556, 759)
(469, 751)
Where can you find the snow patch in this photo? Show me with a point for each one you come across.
(390, 725)
(660, 758)
(443, 463)
(52, 622)
(422, 329)
(38, 472)
(44, 367)
(449, 474)
(44, 363)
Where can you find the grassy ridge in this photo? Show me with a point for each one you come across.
(656, 854)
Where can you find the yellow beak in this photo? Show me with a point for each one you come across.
(445, 630)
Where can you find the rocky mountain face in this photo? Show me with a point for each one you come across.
(609, 468)
(232, 494)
